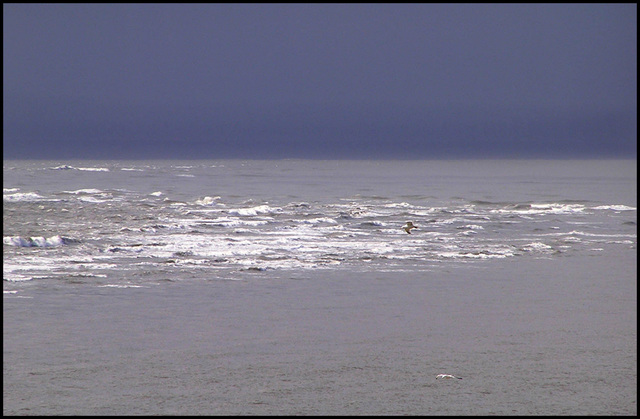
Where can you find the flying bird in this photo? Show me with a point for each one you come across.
(447, 376)
(407, 227)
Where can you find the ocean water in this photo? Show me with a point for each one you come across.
(290, 287)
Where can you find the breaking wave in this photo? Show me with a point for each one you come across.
(53, 241)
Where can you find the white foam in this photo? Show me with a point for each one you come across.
(489, 252)
(23, 197)
(318, 220)
(20, 241)
(260, 209)
(208, 200)
(587, 234)
(28, 267)
(615, 208)
(91, 199)
(85, 169)
(209, 232)
(537, 247)
(538, 209)
(232, 222)
(471, 227)
(473, 255)
(398, 205)
(85, 191)
(15, 277)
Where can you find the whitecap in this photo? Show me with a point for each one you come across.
(537, 247)
(245, 231)
(235, 222)
(615, 208)
(20, 241)
(621, 242)
(471, 227)
(260, 209)
(398, 205)
(22, 197)
(207, 200)
(91, 199)
(537, 209)
(85, 191)
(494, 253)
(14, 277)
(317, 221)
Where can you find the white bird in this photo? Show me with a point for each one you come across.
(407, 227)
(447, 376)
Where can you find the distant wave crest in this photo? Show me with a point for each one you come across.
(22, 197)
(86, 169)
(53, 241)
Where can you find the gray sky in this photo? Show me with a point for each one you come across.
(319, 80)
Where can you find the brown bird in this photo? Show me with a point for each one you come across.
(407, 227)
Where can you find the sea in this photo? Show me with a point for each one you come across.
(289, 287)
